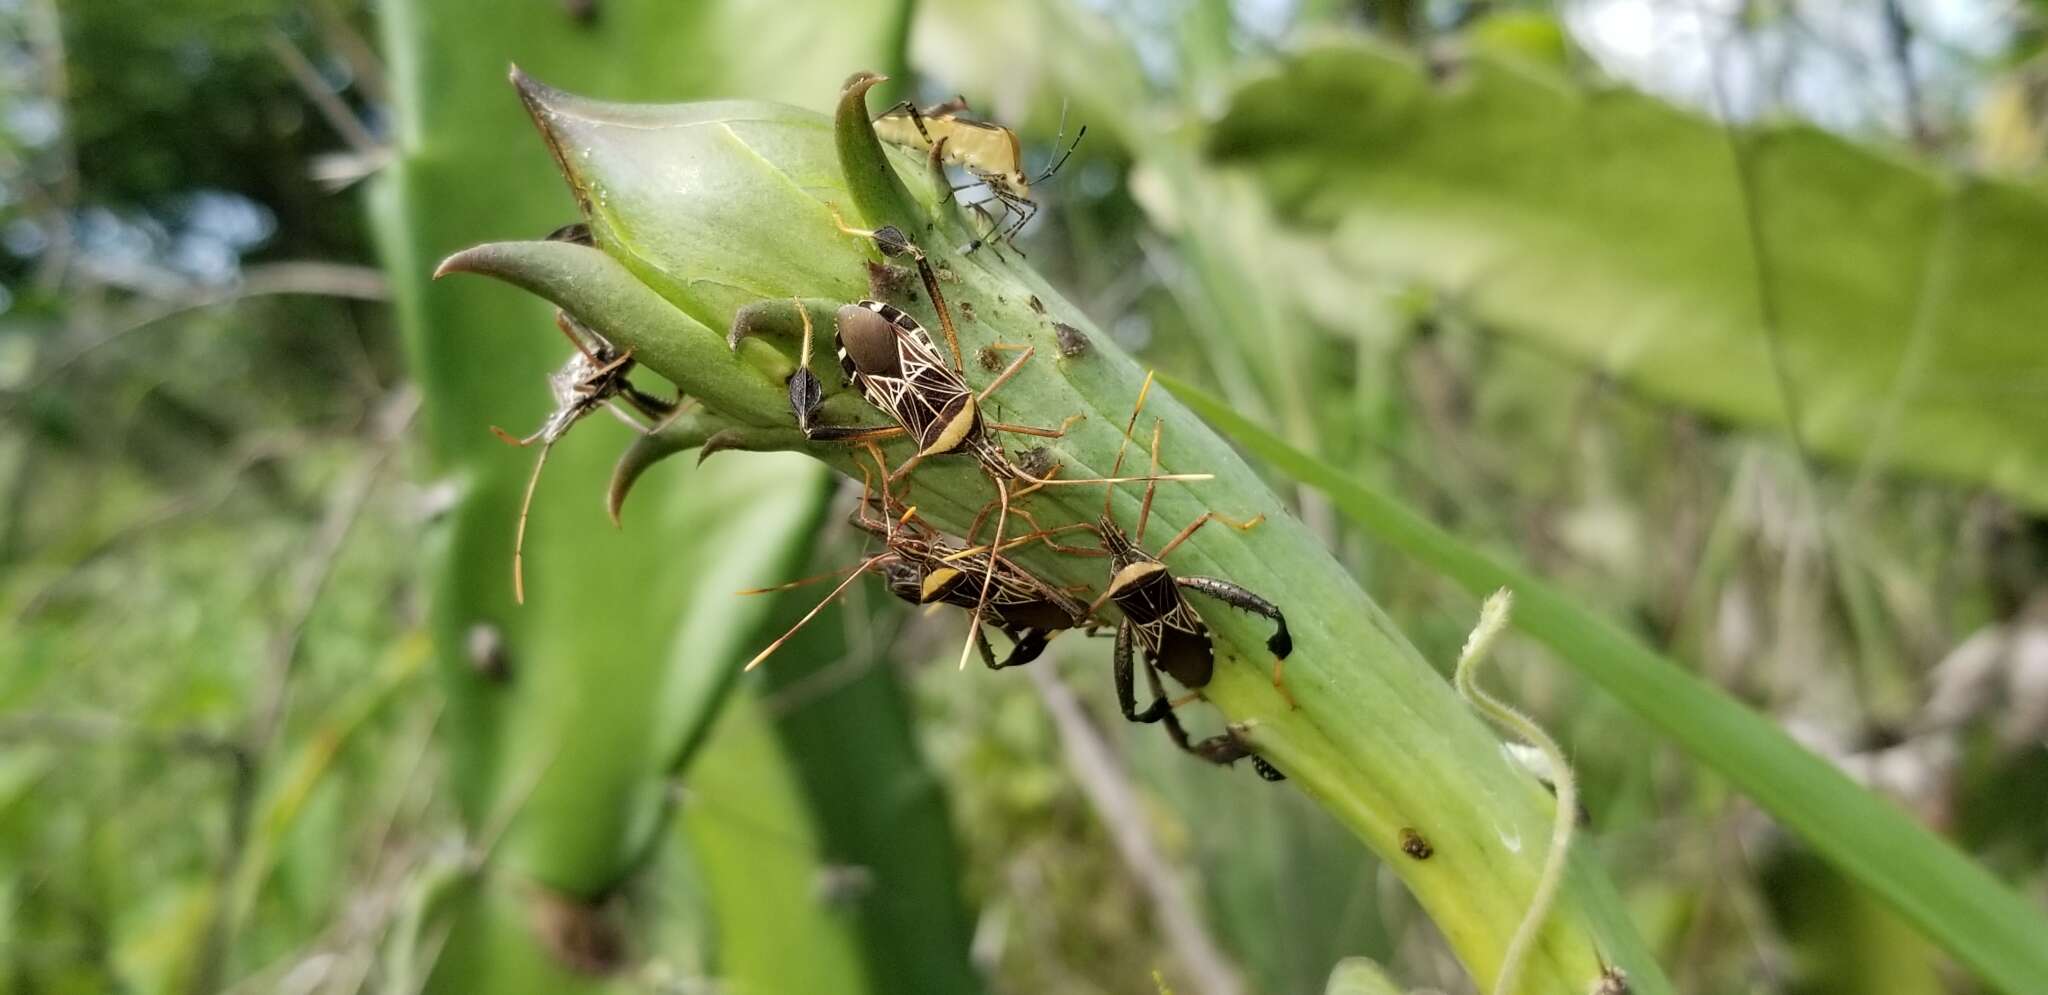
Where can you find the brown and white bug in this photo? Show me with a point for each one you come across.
(924, 567)
(595, 376)
(1159, 624)
(893, 363)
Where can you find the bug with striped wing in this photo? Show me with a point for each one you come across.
(1160, 626)
(893, 362)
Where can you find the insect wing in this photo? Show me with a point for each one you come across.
(927, 394)
(1154, 605)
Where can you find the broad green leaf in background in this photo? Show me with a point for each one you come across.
(1943, 893)
(568, 715)
(880, 814)
(766, 868)
(1610, 227)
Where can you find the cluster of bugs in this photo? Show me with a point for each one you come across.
(895, 364)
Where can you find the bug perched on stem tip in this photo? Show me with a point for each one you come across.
(594, 376)
(988, 152)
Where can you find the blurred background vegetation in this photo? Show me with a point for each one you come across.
(1730, 318)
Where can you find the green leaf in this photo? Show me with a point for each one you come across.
(879, 813)
(1942, 892)
(764, 864)
(1360, 976)
(1611, 228)
(718, 204)
(563, 731)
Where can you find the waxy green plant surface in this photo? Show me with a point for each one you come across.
(699, 210)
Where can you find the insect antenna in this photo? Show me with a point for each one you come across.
(525, 505)
(801, 582)
(1114, 468)
(813, 613)
(1151, 486)
(1062, 160)
(988, 576)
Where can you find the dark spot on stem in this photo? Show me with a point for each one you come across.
(583, 12)
(485, 647)
(887, 282)
(1414, 845)
(1071, 341)
(583, 936)
(990, 359)
(1037, 305)
(1613, 981)
(1037, 461)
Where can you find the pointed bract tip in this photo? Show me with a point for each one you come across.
(461, 262)
(531, 91)
(863, 81)
(719, 442)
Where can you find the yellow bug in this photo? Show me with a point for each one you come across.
(988, 152)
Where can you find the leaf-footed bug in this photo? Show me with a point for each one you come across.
(594, 376)
(988, 152)
(894, 364)
(1159, 624)
(922, 566)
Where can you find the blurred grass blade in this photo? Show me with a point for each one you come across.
(1951, 899)
(883, 826)
(1360, 976)
(562, 737)
(1610, 227)
(766, 873)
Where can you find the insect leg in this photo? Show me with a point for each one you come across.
(1223, 749)
(586, 340)
(513, 440)
(1025, 647)
(656, 409)
(888, 238)
(995, 553)
(806, 392)
(1206, 518)
(1043, 534)
(778, 318)
(1174, 730)
(907, 108)
(854, 434)
(519, 534)
(1052, 433)
(1008, 371)
(802, 581)
(1279, 644)
(1126, 692)
(988, 653)
(1025, 209)
(813, 613)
